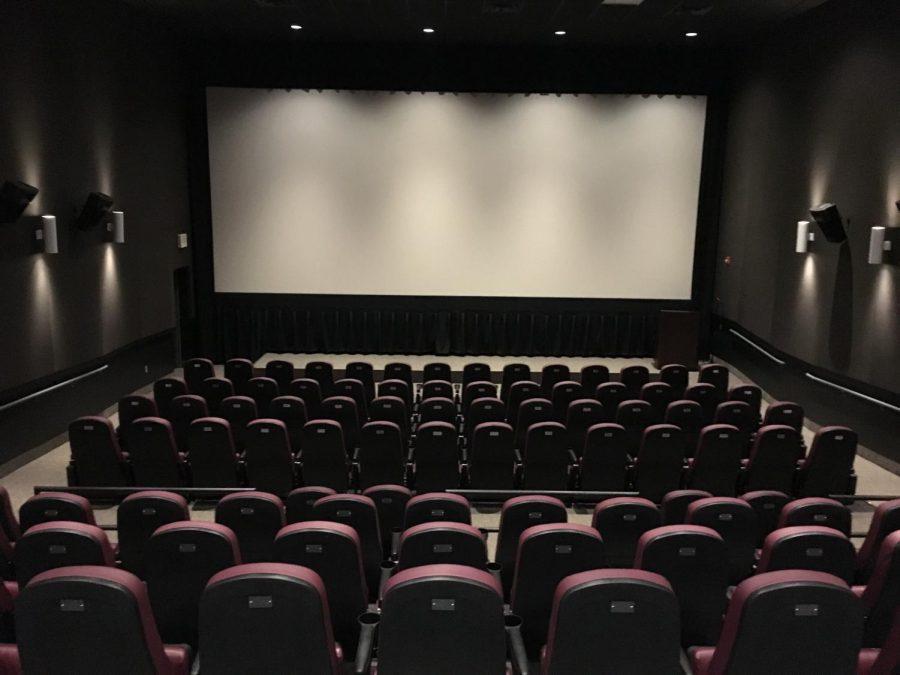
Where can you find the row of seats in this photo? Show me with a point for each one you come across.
(440, 620)
(277, 455)
(345, 543)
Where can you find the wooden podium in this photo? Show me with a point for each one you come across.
(678, 338)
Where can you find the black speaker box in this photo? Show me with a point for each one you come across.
(829, 220)
(94, 210)
(14, 199)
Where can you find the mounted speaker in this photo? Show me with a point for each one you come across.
(829, 220)
(94, 210)
(14, 199)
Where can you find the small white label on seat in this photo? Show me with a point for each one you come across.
(493, 433)
(437, 433)
(321, 431)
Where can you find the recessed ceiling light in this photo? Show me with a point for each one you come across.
(691, 34)
(296, 26)
(559, 32)
(428, 30)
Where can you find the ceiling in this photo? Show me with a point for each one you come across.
(651, 23)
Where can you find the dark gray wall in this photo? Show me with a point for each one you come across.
(815, 117)
(93, 96)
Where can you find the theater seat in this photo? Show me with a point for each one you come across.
(212, 455)
(310, 392)
(716, 375)
(390, 502)
(735, 521)
(634, 378)
(300, 501)
(545, 556)
(659, 461)
(613, 622)
(773, 459)
(332, 551)
(48, 546)
(883, 661)
(516, 516)
(432, 372)
(437, 506)
(816, 511)
(391, 409)
(139, 516)
(382, 456)
(512, 373)
(805, 623)
(131, 408)
(687, 416)
(239, 411)
(154, 455)
(97, 459)
(195, 371)
(676, 376)
(717, 460)
(436, 457)
(768, 505)
(267, 618)
(282, 372)
(828, 467)
(292, 411)
(881, 596)
(492, 457)
(87, 620)
(475, 372)
(323, 373)
(255, 518)
(185, 409)
(324, 458)
(604, 461)
(164, 392)
(610, 395)
(621, 521)
(270, 466)
(180, 558)
(442, 543)
(675, 504)
(362, 371)
(481, 411)
(519, 392)
(885, 520)
(48, 507)
(8, 522)
(546, 457)
(441, 408)
(262, 390)
(442, 620)
(694, 560)
(214, 390)
(582, 414)
(239, 371)
(358, 512)
(821, 549)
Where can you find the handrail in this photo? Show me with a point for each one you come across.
(115, 492)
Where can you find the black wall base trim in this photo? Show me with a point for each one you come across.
(37, 420)
(876, 425)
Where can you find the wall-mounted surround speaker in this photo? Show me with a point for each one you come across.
(829, 220)
(94, 210)
(15, 196)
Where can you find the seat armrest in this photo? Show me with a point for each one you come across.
(516, 645)
(368, 625)
(701, 658)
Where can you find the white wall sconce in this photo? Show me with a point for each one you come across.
(881, 242)
(804, 236)
(46, 235)
(182, 240)
(116, 228)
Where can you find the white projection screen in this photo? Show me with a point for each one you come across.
(384, 193)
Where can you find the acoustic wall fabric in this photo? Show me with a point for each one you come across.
(454, 195)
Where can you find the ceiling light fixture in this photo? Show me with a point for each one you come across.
(691, 34)
(428, 30)
(560, 32)
(296, 26)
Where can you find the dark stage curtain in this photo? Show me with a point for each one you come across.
(250, 326)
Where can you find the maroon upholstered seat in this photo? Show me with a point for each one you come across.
(267, 618)
(270, 465)
(97, 459)
(184, 410)
(715, 374)
(435, 455)
(331, 550)
(442, 619)
(214, 390)
(809, 620)
(613, 621)
(139, 516)
(432, 372)
(709, 398)
(212, 452)
(239, 411)
(676, 376)
(292, 411)
(89, 619)
(816, 511)
(881, 596)
(562, 395)
(717, 461)
(634, 378)
(687, 416)
(786, 413)
(659, 395)
(362, 371)
(132, 407)
(512, 373)
(475, 372)
(694, 560)
(360, 513)
(47, 546)
(546, 459)
(239, 371)
(516, 516)
(442, 542)
(768, 505)
(282, 372)
(675, 504)
(735, 520)
(390, 502)
(47, 507)
(885, 520)
(481, 411)
(828, 466)
(437, 506)
(546, 555)
(325, 461)
(323, 373)
(355, 390)
(474, 391)
(773, 459)
(604, 461)
(255, 518)
(810, 547)
(180, 558)
(154, 454)
(582, 414)
(391, 409)
(659, 461)
(621, 521)
(300, 501)
(310, 392)
(164, 391)
(492, 457)
(262, 390)
(382, 454)
(635, 416)
(398, 389)
(195, 371)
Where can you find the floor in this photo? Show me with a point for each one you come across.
(48, 463)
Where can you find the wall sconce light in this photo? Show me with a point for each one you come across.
(880, 242)
(15, 197)
(804, 236)
(117, 227)
(829, 220)
(182, 240)
(47, 234)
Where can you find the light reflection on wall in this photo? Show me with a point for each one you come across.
(42, 307)
(110, 298)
